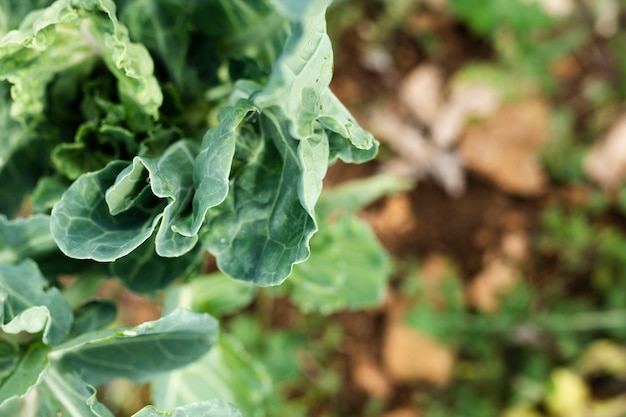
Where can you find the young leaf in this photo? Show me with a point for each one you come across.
(139, 353)
(207, 408)
(27, 303)
(226, 372)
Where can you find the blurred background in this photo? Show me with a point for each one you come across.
(506, 291)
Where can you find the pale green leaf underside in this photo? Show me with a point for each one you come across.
(139, 353)
(66, 395)
(206, 408)
(348, 269)
(226, 372)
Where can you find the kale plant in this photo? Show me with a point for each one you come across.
(135, 136)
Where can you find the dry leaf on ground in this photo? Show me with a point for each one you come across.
(411, 356)
(368, 376)
(606, 162)
(505, 148)
(421, 91)
(402, 412)
(497, 277)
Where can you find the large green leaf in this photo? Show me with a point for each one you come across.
(207, 408)
(226, 372)
(65, 394)
(262, 228)
(139, 353)
(26, 375)
(28, 303)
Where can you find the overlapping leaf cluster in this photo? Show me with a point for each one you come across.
(135, 135)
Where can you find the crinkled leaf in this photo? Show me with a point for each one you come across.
(28, 303)
(27, 374)
(93, 147)
(70, 33)
(263, 227)
(213, 165)
(13, 11)
(83, 227)
(303, 71)
(227, 372)
(207, 408)
(139, 353)
(66, 395)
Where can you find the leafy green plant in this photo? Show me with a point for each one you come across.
(134, 137)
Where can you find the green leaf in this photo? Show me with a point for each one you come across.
(213, 165)
(348, 268)
(13, 11)
(27, 374)
(65, 394)
(139, 353)
(28, 303)
(226, 372)
(207, 408)
(83, 227)
(263, 227)
(72, 33)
